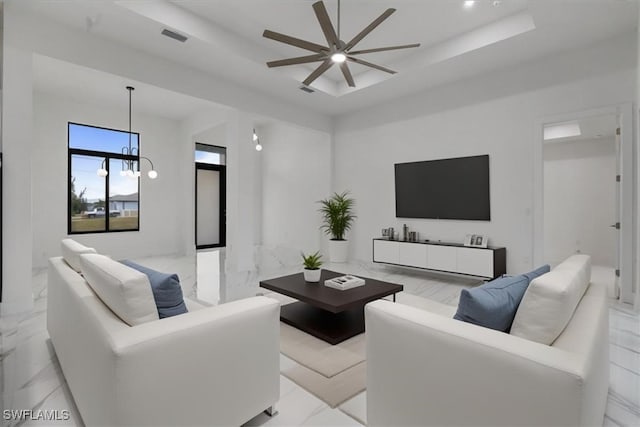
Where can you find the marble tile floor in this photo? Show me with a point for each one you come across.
(31, 377)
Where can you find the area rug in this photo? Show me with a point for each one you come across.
(333, 373)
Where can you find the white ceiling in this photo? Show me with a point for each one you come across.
(226, 39)
(86, 85)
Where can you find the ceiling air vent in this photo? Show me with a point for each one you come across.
(174, 35)
(306, 89)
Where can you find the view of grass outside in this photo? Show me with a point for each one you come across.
(81, 224)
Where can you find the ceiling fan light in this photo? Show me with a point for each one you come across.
(338, 57)
(102, 172)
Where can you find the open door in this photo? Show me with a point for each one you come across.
(210, 206)
(617, 220)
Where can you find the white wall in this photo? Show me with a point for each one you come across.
(492, 114)
(296, 172)
(579, 200)
(161, 209)
(17, 118)
(636, 120)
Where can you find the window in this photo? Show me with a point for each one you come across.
(102, 204)
(210, 154)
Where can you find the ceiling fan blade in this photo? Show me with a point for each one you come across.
(298, 60)
(369, 64)
(362, 34)
(347, 74)
(302, 44)
(382, 49)
(318, 72)
(325, 23)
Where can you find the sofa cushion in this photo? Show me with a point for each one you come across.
(125, 291)
(537, 272)
(494, 304)
(166, 288)
(551, 299)
(71, 251)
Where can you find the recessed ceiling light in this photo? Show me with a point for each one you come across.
(468, 4)
(496, 3)
(338, 57)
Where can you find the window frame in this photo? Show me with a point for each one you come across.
(107, 156)
(210, 148)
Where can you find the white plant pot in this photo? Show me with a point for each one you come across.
(338, 250)
(312, 276)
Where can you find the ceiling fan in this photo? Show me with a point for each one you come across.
(337, 51)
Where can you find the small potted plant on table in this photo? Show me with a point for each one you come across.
(312, 264)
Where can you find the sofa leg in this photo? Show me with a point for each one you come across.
(271, 411)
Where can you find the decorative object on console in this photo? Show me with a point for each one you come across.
(476, 240)
(388, 233)
(337, 216)
(494, 304)
(132, 170)
(312, 264)
(166, 288)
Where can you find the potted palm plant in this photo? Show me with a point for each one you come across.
(337, 217)
(312, 264)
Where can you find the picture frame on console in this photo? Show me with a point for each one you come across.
(476, 240)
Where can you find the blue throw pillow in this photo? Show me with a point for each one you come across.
(166, 290)
(494, 304)
(537, 272)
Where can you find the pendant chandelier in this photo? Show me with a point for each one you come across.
(130, 168)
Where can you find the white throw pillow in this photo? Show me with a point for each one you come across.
(550, 300)
(71, 251)
(125, 291)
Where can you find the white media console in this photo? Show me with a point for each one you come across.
(448, 257)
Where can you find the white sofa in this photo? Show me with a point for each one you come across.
(211, 366)
(425, 368)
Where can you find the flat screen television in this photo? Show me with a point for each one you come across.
(444, 189)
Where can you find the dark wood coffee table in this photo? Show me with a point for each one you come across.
(326, 313)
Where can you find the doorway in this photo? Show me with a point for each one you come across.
(579, 190)
(210, 200)
(583, 207)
